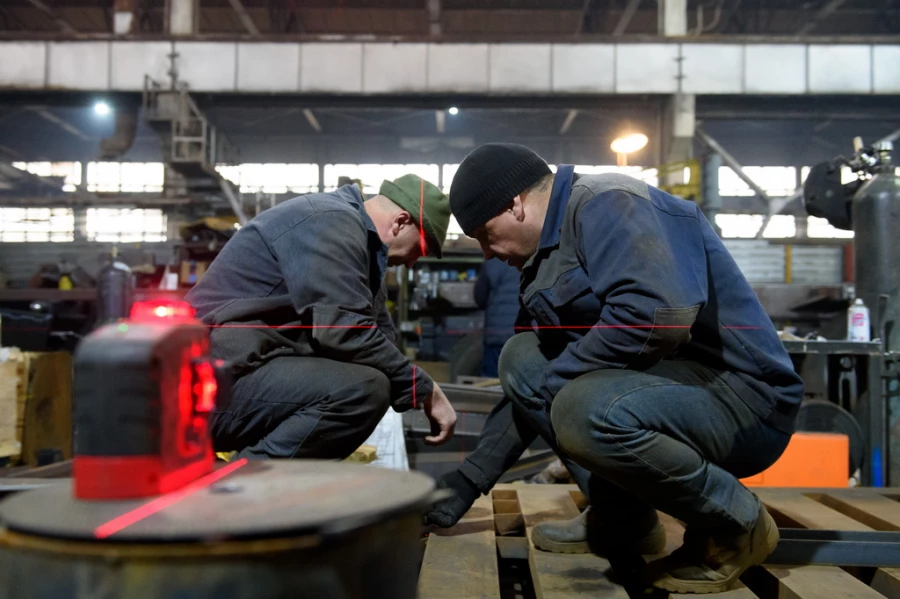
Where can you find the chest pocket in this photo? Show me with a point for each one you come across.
(565, 302)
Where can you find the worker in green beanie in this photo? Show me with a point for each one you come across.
(296, 304)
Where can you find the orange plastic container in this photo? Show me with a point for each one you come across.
(810, 460)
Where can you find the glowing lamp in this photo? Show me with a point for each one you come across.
(161, 310)
(629, 143)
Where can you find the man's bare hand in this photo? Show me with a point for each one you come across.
(441, 415)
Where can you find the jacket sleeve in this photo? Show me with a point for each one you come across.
(328, 283)
(650, 280)
(383, 316)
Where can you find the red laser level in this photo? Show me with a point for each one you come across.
(145, 389)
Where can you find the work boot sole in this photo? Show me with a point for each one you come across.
(544, 544)
(651, 545)
(702, 587)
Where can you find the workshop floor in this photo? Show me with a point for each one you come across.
(488, 554)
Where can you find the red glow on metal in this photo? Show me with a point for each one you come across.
(160, 503)
(161, 310)
(132, 477)
(205, 387)
(187, 447)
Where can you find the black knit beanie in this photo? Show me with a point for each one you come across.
(489, 178)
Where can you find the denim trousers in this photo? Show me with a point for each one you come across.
(673, 438)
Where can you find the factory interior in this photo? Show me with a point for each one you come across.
(539, 255)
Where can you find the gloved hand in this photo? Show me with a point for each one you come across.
(446, 513)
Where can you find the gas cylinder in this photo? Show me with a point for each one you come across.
(114, 290)
(876, 224)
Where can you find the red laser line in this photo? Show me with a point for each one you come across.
(291, 326)
(621, 326)
(160, 503)
(414, 385)
(604, 326)
(422, 244)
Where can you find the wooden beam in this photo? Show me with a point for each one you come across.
(461, 561)
(823, 14)
(47, 10)
(244, 17)
(626, 17)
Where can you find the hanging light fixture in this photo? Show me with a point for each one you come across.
(628, 143)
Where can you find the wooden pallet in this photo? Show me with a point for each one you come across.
(466, 561)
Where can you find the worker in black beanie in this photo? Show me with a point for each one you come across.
(643, 358)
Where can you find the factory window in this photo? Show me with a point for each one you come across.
(273, 177)
(449, 173)
(70, 172)
(774, 180)
(372, 175)
(113, 177)
(819, 228)
(37, 224)
(747, 226)
(125, 225)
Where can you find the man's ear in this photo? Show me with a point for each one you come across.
(400, 219)
(517, 207)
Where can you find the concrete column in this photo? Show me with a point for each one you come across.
(679, 121)
(80, 214)
(672, 16)
(123, 17)
(184, 17)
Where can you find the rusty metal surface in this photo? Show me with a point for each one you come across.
(259, 499)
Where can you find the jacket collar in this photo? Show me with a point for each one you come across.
(376, 246)
(556, 208)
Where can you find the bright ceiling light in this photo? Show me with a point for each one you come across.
(629, 143)
(453, 110)
(101, 109)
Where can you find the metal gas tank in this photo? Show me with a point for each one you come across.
(876, 224)
(297, 529)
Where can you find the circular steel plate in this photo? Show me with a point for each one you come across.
(258, 499)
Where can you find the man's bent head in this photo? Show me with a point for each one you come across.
(499, 196)
(412, 216)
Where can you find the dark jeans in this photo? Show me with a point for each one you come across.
(302, 407)
(672, 438)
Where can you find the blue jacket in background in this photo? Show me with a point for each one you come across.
(497, 293)
(627, 275)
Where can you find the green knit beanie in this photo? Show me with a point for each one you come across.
(428, 205)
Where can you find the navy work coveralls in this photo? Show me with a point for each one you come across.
(296, 303)
(654, 371)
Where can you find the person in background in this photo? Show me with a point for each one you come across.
(497, 293)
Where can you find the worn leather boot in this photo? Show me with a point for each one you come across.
(584, 534)
(706, 564)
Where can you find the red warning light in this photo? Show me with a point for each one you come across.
(205, 387)
(161, 310)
